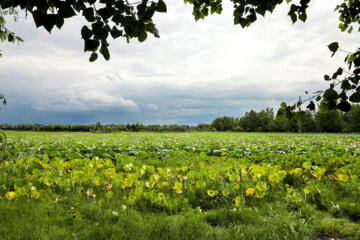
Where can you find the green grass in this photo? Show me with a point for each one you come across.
(65, 210)
(79, 218)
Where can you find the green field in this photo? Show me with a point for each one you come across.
(180, 186)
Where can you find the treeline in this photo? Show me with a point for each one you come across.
(263, 121)
(98, 127)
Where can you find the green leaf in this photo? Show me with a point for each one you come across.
(142, 36)
(115, 33)
(105, 13)
(91, 45)
(311, 106)
(161, 6)
(88, 13)
(66, 10)
(333, 46)
(86, 33)
(11, 37)
(105, 52)
(303, 17)
(355, 97)
(150, 27)
(261, 186)
(281, 117)
(337, 73)
(344, 106)
(324, 108)
(300, 116)
(49, 22)
(38, 18)
(327, 78)
(330, 94)
(293, 17)
(93, 57)
(19, 39)
(346, 85)
(59, 21)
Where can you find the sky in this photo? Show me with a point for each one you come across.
(195, 72)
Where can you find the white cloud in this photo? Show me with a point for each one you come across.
(72, 101)
(152, 107)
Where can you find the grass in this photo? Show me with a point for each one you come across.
(330, 210)
(79, 218)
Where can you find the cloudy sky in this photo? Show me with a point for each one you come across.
(195, 72)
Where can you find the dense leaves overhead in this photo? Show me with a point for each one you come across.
(104, 18)
(133, 19)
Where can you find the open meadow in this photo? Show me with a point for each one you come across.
(180, 186)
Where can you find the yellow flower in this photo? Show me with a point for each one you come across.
(108, 186)
(10, 195)
(249, 192)
(212, 193)
(161, 196)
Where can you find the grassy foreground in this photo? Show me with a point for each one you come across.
(180, 186)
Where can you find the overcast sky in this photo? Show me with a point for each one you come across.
(195, 72)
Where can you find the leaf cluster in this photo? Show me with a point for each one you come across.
(5, 33)
(115, 18)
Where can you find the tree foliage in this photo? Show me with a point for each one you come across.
(265, 121)
(134, 19)
(7, 35)
(2, 99)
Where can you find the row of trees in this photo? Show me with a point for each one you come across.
(98, 127)
(263, 121)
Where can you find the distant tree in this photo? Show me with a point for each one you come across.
(329, 122)
(266, 117)
(250, 122)
(308, 124)
(98, 126)
(352, 119)
(224, 123)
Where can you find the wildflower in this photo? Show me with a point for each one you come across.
(249, 192)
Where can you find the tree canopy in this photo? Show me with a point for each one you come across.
(134, 19)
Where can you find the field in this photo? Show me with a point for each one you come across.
(180, 186)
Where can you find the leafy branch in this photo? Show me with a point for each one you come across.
(330, 99)
(2, 99)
